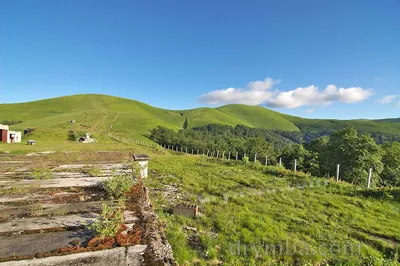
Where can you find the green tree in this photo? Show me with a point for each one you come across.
(258, 146)
(185, 124)
(292, 153)
(314, 161)
(355, 154)
(391, 159)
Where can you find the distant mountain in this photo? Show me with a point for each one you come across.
(99, 114)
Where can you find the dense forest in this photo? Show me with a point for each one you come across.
(317, 154)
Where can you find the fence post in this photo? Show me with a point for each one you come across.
(255, 158)
(369, 177)
(295, 165)
(266, 160)
(337, 172)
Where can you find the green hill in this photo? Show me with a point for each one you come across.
(96, 113)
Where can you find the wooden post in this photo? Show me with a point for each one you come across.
(266, 160)
(255, 158)
(237, 154)
(369, 177)
(337, 172)
(295, 165)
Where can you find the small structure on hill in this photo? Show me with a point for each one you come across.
(190, 211)
(143, 161)
(8, 136)
(87, 139)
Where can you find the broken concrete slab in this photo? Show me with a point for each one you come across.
(43, 223)
(123, 256)
(40, 209)
(27, 245)
(56, 182)
(98, 165)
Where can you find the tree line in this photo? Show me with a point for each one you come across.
(355, 152)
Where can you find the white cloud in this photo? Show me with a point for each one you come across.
(313, 96)
(310, 111)
(387, 99)
(259, 92)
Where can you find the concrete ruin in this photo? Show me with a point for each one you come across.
(190, 211)
(87, 139)
(9, 136)
(143, 161)
(45, 222)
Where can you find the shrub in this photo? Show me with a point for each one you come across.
(93, 171)
(245, 159)
(42, 173)
(118, 185)
(36, 210)
(110, 221)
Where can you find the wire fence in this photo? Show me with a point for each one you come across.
(253, 158)
(228, 155)
(132, 141)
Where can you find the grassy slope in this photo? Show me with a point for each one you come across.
(243, 204)
(316, 125)
(95, 113)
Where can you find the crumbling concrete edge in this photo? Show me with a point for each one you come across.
(158, 252)
(122, 256)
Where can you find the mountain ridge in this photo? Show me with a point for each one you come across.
(100, 113)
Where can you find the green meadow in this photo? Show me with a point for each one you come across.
(96, 114)
(249, 214)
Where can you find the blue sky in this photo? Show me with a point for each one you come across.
(312, 58)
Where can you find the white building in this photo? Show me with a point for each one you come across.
(8, 136)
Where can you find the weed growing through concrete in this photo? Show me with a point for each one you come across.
(110, 220)
(36, 210)
(94, 171)
(42, 173)
(118, 185)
